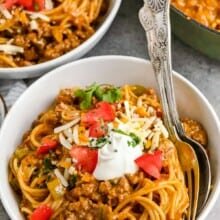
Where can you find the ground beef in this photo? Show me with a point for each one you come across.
(92, 199)
(195, 131)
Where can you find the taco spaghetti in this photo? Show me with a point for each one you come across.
(35, 31)
(101, 153)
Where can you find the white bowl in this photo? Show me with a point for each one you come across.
(116, 70)
(85, 47)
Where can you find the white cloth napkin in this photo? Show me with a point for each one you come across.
(11, 90)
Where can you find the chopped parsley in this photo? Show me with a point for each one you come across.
(109, 94)
(47, 165)
(135, 139)
(119, 131)
(85, 96)
(72, 181)
(99, 142)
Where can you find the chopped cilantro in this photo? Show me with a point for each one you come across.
(72, 181)
(85, 96)
(99, 92)
(111, 95)
(47, 165)
(135, 139)
(99, 142)
(119, 131)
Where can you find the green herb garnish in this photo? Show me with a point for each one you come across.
(112, 95)
(109, 94)
(72, 181)
(99, 142)
(47, 165)
(119, 131)
(135, 139)
(85, 96)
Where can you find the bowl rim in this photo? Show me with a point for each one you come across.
(192, 20)
(111, 14)
(214, 196)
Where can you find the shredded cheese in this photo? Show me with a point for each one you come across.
(150, 110)
(139, 102)
(164, 131)
(36, 15)
(76, 134)
(48, 5)
(66, 126)
(5, 12)
(147, 133)
(2, 21)
(11, 49)
(155, 140)
(69, 134)
(66, 173)
(34, 25)
(61, 178)
(127, 109)
(72, 170)
(65, 143)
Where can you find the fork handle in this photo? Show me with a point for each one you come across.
(155, 19)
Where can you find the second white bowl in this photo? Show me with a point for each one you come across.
(85, 47)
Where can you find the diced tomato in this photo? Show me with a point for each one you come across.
(103, 111)
(33, 5)
(86, 158)
(151, 163)
(97, 130)
(9, 3)
(47, 145)
(27, 4)
(43, 212)
(106, 111)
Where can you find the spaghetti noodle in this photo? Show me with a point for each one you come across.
(54, 169)
(32, 35)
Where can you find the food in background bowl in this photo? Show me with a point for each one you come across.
(203, 11)
(35, 31)
(101, 152)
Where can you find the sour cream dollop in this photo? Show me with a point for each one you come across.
(116, 157)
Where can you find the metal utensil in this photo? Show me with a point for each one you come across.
(3, 109)
(154, 17)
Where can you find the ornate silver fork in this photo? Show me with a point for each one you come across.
(154, 17)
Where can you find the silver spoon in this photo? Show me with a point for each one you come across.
(154, 17)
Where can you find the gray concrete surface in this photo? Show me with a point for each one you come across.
(127, 38)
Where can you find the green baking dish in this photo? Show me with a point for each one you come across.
(196, 35)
